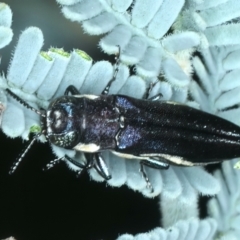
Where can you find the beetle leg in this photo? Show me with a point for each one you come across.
(90, 160)
(147, 94)
(82, 167)
(106, 89)
(71, 89)
(149, 89)
(144, 174)
(74, 162)
(156, 97)
(101, 167)
(153, 163)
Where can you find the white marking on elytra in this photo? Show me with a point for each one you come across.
(175, 159)
(91, 147)
(89, 96)
(129, 156)
(174, 103)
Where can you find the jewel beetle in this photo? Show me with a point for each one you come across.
(157, 133)
(154, 132)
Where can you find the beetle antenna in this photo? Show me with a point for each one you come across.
(24, 103)
(53, 163)
(15, 165)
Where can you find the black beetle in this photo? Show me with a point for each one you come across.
(157, 133)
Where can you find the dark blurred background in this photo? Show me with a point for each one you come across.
(55, 204)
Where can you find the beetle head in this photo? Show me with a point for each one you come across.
(61, 123)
